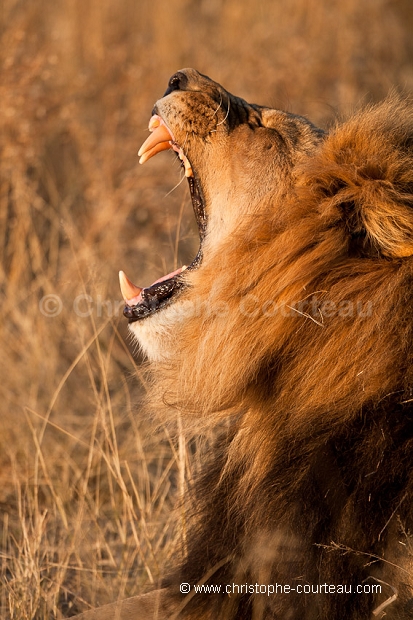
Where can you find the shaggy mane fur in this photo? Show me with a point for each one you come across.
(302, 343)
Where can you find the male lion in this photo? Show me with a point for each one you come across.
(290, 333)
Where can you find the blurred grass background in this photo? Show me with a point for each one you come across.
(86, 485)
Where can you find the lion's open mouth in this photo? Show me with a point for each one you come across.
(142, 302)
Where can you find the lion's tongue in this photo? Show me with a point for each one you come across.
(132, 294)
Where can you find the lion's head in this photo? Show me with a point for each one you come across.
(303, 236)
(236, 156)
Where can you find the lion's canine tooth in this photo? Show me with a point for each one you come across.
(162, 146)
(159, 140)
(128, 288)
(184, 267)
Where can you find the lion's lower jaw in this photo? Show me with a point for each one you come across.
(156, 334)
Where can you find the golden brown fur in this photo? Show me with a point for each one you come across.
(294, 339)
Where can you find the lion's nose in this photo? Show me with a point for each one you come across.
(178, 81)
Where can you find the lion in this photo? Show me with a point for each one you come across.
(290, 335)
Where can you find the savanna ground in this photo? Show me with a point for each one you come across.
(87, 484)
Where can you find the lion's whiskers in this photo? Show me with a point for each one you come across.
(227, 114)
(175, 187)
(219, 105)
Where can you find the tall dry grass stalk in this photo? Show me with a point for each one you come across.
(87, 487)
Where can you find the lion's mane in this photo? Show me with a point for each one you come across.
(298, 347)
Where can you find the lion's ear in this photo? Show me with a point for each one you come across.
(388, 225)
(363, 177)
(378, 214)
(376, 210)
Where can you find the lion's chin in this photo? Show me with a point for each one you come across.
(156, 335)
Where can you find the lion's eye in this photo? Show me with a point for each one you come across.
(174, 82)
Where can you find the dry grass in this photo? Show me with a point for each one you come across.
(86, 485)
